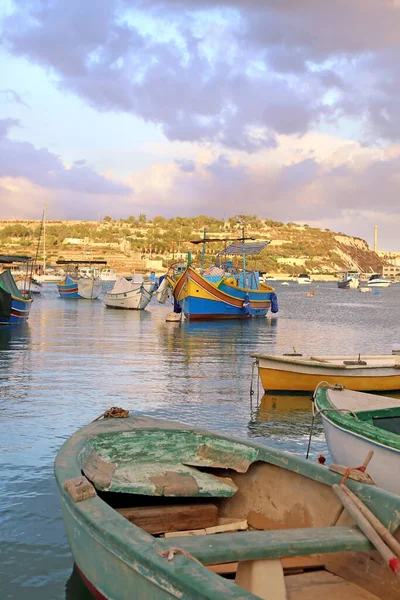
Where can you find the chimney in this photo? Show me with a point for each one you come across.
(375, 238)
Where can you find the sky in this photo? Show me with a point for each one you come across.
(289, 110)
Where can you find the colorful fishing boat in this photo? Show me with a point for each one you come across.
(355, 423)
(222, 291)
(15, 305)
(160, 510)
(303, 373)
(81, 280)
(132, 294)
(349, 280)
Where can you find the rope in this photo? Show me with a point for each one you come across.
(361, 468)
(114, 412)
(172, 552)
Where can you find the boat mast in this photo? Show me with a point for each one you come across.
(203, 249)
(244, 250)
(44, 239)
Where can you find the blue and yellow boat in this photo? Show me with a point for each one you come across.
(15, 305)
(68, 288)
(222, 296)
(222, 291)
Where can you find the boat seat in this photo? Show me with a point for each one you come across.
(255, 545)
(164, 463)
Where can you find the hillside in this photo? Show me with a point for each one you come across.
(138, 243)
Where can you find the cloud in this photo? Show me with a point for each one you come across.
(223, 168)
(230, 72)
(186, 165)
(43, 168)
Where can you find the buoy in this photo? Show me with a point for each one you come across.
(174, 317)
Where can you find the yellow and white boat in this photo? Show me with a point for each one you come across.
(303, 373)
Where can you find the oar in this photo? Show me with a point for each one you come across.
(392, 561)
(376, 524)
(365, 464)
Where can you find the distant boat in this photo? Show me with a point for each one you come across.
(284, 283)
(358, 423)
(304, 279)
(27, 282)
(129, 486)
(108, 275)
(267, 278)
(81, 280)
(377, 280)
(350, 280)
(15, 305)
(134, 294)
(303, 373)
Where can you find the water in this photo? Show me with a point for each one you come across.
(76, 358)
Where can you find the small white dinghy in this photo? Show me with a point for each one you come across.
(134, 294)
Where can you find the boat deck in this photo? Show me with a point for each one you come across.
(359, 401)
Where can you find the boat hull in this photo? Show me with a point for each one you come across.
(20, 309)
(348, 284)
(89, 288)
(277, 376)
(136, 299)
(32, 287)
(379, 284)
(68, 288)
(201, 299)
(349, 448)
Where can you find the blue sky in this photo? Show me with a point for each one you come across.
(287, 109)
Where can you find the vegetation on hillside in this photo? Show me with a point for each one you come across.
(294, 247)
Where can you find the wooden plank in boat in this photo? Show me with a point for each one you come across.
(175, 517)
(221, 528)
(289, 563)
(321, 584)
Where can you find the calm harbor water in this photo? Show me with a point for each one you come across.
(76, 358)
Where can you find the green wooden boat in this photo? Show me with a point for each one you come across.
(155, 510)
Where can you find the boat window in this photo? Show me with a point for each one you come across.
(391, 424)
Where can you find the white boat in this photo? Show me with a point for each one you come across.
(108, 275)
(377, 280)
(89, 288)
(284, 283)
(303, 279)
(355, 423)
(267, 278)
(134, 294)
(28, 283)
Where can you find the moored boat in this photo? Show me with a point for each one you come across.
(303, 373)
(349, 280)
(28, 283)
(219, 295)
(81, 279)
(108, 275)
(304, 279)
(15, 305)
(130, 486)
(133, 294)
(377, 280)
(355, 423)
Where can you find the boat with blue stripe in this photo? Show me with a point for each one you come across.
(15, 305)
(222, 291)
(349, 280)
(82, 279)
(68, 288)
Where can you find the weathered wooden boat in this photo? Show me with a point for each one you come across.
(156, 509)
(15, 305)
(303, 373)
(133, 294)
(355, 423)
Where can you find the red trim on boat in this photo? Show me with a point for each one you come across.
(92, 589)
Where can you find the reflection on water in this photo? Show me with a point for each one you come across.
(77, 358)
